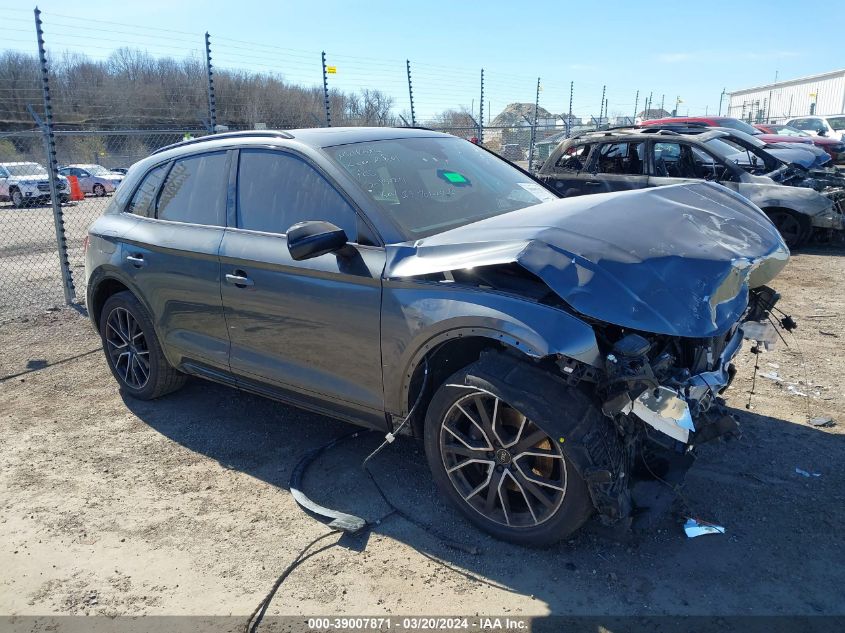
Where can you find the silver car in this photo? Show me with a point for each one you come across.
(413, 282)
(94, 179)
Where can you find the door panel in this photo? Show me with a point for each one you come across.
(310, 326)
(177, 270)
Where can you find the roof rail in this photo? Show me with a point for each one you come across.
(225, 135)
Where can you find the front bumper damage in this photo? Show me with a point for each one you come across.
(663, 397)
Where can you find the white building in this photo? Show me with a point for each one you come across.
(817, 94)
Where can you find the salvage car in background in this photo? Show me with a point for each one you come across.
(28, 183)
(826, 126)
(834, 147)
(94, 179)
(406, 280)
(636, 159)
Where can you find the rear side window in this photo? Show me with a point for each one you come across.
(143, 202)
(195, 191)
(277, 190)
(621, 158)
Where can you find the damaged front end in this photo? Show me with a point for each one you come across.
(668, 280)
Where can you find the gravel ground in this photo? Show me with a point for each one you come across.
(180, 506)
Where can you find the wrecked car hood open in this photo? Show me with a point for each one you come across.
(675, 260)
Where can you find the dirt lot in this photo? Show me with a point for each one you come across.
(180, 506)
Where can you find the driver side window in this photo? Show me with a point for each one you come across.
(276, 190)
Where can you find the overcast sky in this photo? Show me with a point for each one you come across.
(690, 50)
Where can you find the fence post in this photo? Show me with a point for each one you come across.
(636, 103)
(326, 92)
(410, 92)
(662, 103)
(52, 167)
(601, 107)
(481, 112)
(534, 127)
(569, 119)
(212, 104)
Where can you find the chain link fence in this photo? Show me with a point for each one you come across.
(30, 272)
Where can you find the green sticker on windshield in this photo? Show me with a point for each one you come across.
(453, 177)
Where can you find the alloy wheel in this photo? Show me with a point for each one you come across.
(502, 464)
(17, 198)
(99, 190)
(127, 348)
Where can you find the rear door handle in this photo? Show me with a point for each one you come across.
(136, 260)
(238, 278)
(593, 183)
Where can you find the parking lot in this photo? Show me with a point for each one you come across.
(180, 506)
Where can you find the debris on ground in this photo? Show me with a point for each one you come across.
(805, 473)
(822, 422)
(697, 527)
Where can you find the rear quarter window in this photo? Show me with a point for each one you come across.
(143, 200)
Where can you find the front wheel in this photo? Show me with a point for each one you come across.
(18, 199)
(502, 471)
(133, 351)
(793, 228)
(99, 191)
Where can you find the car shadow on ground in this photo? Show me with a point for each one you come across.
(782, 526)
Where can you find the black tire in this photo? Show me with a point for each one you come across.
(160, 377)
(794, 228)
(99, 190)
(18, 201)
(575, 505)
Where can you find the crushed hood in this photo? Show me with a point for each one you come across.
(674, 260)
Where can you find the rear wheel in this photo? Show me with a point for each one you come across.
(133, 351)
(793, 228)
(504, 472)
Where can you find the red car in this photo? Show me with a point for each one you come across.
(729, 122)
(835, 148)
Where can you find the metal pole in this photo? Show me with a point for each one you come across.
(650, 104)
(534, 126)
(52, 167)
(721, 97)
(601, 107)
(212, 105)
(662, 103)
(410, 89)
(326, 92)
(636, 103)
(481, 112)
(569, 119)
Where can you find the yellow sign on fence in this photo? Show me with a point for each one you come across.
(332, 70)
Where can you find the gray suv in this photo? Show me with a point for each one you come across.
(409, 281)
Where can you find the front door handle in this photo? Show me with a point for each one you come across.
(238, 278)
(136, 260)
(593, 183)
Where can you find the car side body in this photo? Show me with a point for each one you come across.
(24, 183)
(552, 303)
(94, 179)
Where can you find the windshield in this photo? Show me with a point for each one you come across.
(430, 185)
(837, 122)
(736, 124)
(785, 130)
(98, 170)
(26, 169)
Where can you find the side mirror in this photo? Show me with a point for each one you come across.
(821, 131)
(314, 238)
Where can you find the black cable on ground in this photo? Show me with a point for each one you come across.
(258, 614)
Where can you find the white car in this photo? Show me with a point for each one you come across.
(832, 127)
(27, 183)
(94, 179)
